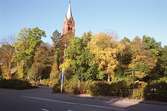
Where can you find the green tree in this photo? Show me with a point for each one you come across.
(152, 45)
(161, 67)
(57, 57)
(28, 40)
(79, 60)
(164, 59)
(124, 58)
(41, 66)
(143, 61)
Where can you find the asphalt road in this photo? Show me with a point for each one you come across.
(42, 99)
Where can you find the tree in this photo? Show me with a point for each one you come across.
(142, 60)
(161, 66)
(57, 57)
(6, 58)
(104, 47)
(125, 40)
(56, 37)
(41, 66)
(124, 57)
(25, 46)
(79, 61)
(163, 59)
(152, 45)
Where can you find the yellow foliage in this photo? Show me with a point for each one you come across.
(104, 47)
(66, 64)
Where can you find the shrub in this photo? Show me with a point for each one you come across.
(45, 82)
(156, 90)
(120, 89)
(85, 86)
(15, 84)
(72, 86)
(138, 90)
(100, 89)
(56, 88)
(1, 77)
(49, 82)
(117, 88)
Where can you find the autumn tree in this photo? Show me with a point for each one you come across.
(41, 66)
(25, 46)
(142, 60)
(104, 47)
(6, 60)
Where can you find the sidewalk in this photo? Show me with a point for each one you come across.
(132, 104)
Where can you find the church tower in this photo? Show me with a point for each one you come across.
(69, 22)
(68, 32)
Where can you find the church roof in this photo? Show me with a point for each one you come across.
(69, 12)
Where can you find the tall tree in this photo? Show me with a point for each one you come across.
(142, 60)
(79, 61)
(124, 56)
(6, 59)
(41, 66)
(104, 47)
(152, 45)
(28, 40)
(57, 57)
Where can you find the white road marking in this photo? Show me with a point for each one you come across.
(73, 103)
(43, 109)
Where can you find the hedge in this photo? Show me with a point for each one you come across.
(156, 91)
(15, 84)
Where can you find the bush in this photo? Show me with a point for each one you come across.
(15, 84)
(138, 90)
(118, 88)
(85, 87)
(56, 88)
(72, 86)
(45, 82)
(156, 90)
(100, 89)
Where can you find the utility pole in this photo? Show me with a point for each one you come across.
(62, 73)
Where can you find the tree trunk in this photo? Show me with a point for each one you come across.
(109, 78)
(9, 71)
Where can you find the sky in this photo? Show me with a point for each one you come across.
(128, 18)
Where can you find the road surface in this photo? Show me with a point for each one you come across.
(42, 99)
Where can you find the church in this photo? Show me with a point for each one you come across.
(68, 31)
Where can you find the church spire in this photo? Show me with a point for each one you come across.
(69, 22)
(69, 12)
